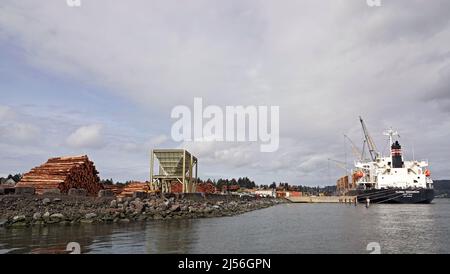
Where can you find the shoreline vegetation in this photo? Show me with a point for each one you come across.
(56, 209)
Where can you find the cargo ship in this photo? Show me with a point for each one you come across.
(391, 179)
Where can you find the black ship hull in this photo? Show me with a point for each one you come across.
(396, 196)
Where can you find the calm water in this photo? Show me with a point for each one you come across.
(289, 228)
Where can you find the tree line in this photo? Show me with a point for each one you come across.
(15, 177)
(245, 182)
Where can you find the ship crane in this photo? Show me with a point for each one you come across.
(356, 152)
(340, 164)
(369, 141)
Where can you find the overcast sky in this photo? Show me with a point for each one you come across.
(101, 79)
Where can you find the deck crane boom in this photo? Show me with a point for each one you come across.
(369, 141)
(340, 164)
(356, 152)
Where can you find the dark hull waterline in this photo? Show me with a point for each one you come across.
(396, 196)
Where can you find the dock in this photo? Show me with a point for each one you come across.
(322, 199)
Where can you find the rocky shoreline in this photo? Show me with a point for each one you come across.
(56, 209)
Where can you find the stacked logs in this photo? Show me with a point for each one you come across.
(132, 187)
(116, 189)
(176, 187)
(206, 188)
(63, 173)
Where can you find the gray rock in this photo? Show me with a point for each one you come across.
(138, 206)
(37, 216)
(105, 193)
(162, 207)
(90, 216)
(175, 208)
(25, 190)
(113, 204)
(56, 200)
(77, 192)
(46, 201)
(57, 216)
(142, 218)
(168, 203)
(86, 221)
(46, 215)
(51, 191)
(141, 195)
(19, 218)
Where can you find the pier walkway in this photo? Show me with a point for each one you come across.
(322, 199)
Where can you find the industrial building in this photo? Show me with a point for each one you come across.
(173, 166)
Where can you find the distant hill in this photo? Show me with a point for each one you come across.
(442, 188)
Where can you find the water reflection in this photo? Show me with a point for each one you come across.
(290, 228)
(176, 236)
(49, 239)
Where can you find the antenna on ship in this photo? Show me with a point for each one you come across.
(391, 133)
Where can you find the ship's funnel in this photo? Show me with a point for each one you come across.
(396, 153)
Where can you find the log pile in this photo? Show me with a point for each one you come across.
(63, 173)
(176, 187)
(116, 189)
(206, 188)
(132, 187)
(342, 184)
(231, 188)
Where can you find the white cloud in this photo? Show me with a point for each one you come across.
(157, 140)
(16, 132)
(153, 142)
(6, 113)
(131, 147)
(389, 64)
(23, 132)
(87, 137)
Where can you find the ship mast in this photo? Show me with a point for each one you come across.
(391, 133)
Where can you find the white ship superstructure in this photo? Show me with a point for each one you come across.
(391, 178)
(392, 171)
